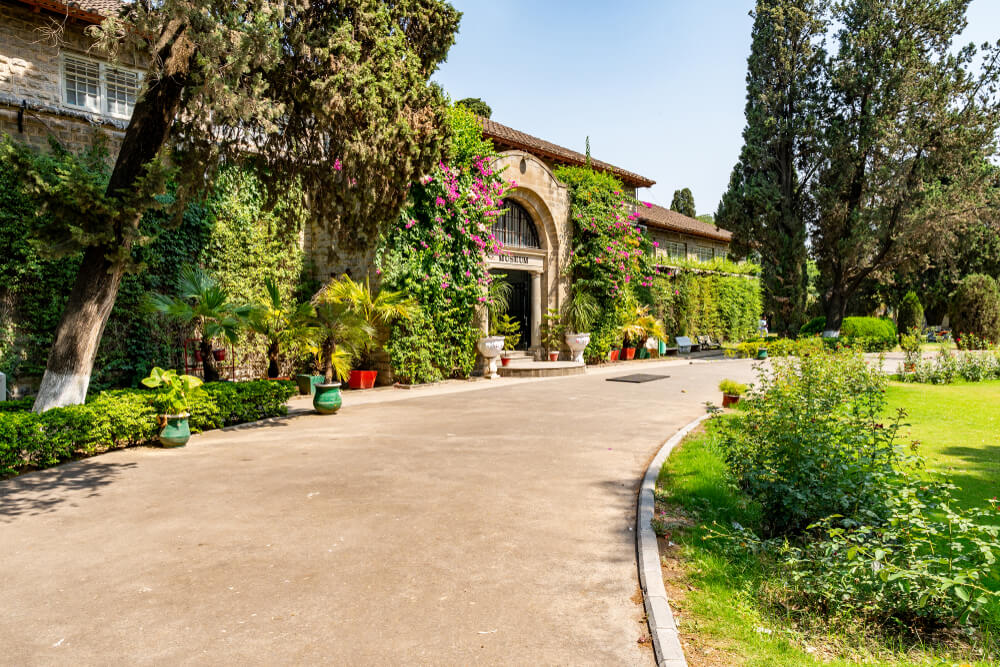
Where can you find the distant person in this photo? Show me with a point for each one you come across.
(762, 327)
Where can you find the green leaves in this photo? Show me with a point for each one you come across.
(177, 390)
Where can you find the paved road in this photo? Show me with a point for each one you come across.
(481, 527)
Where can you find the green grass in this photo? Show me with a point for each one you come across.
(721, 610)
(958, 427)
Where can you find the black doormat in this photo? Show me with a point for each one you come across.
(638, 377)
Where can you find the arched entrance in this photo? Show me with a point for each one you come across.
(520, 264)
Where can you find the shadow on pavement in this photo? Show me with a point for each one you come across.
(42, 491)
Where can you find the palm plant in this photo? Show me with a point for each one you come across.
(341, 334)
(582, 310)
(378, 308)
(640, 325)
(280, 324)
(203, 302)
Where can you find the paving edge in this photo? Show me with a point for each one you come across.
(662, 628)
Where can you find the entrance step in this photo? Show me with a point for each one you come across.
(519, 368)
(518, 354)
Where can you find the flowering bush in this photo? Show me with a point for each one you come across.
(947, 366)
(437, 253)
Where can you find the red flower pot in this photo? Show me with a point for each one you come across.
(553, 356)
(362, 379)
(614, 355)
(197, 356)
(630, 353)
(220, 355)
(505, 361)
(729, 400)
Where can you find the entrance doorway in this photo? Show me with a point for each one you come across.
(519, 303)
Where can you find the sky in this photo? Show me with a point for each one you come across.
(658, 85)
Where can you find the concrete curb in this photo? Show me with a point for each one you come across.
(662, 628)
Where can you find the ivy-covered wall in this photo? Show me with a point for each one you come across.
(231, 232)
(695, 303)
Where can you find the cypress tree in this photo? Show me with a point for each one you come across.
(683, 202)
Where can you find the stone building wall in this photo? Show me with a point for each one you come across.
(30, 81)
(663, 237)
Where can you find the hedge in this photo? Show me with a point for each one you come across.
(124, 418)
(870, 334)
(722, 306)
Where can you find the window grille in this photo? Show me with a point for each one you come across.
(703, 254)
(83, 83)
(676, 250)
(515, 228)
(122, 87)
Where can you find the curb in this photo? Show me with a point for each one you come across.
(662, 628)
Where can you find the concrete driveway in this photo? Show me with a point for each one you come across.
(481, 527)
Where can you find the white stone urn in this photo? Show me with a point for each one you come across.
(577, 343)
(490, 347)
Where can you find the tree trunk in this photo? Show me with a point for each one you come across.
(71, 359)
(836, 306)
(209, 369)
(272, 360)
(327, 351)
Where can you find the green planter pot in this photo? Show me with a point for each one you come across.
(177, 432)
(762, 354)
(327, 399)
(307, 383)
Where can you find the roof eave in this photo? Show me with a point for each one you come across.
(63, 9)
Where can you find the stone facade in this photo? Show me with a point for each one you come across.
(32, 107)
(689, 245)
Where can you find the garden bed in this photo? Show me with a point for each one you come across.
(124, 418)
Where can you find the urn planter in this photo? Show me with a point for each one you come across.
(327, 399)
(490, 347)
(175, 432)
(577, 343)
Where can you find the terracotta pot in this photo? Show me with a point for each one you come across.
(553, 356)
(614, 355)
(220, 355)
(729, 400)
(505, 361)
(362, 379)
(630, 353)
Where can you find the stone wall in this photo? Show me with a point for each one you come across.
(30, 86)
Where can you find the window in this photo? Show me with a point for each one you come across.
(703, 254)
(677, 250)
(514, 228)
(721, 254)
(99, 88)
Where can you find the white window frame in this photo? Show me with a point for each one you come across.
(102, 88)
(707, 249)
(680, 247)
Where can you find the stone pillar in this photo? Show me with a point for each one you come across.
(536, 309)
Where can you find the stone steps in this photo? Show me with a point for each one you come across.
(530, 368)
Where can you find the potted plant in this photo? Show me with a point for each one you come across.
(203, 302)
(639, 326)
(282, 325)
(910, 344)
(380, 309)
(552, 330)
(582, 311)
(731, 392)
(175, 395)
(340, 332)
(510, 329)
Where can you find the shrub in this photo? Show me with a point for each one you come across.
(125, 418)
(17, 405)
(946, 367)
(975, 307)
(872, 334)
(910, 314)
(732, 387)
(814, 326)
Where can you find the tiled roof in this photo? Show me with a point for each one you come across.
(664, 218)
(505, 136)
(91, 11)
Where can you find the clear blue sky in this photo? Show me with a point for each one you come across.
(657, 84)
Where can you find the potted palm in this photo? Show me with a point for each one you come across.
(281, 324)
(552, 330)
(203, 302)
(731, 392)
(582, 310)
(340, 332)
(639, 326)
(175, 396)
(380, 309)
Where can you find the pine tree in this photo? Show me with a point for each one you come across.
(767, 205)
(683, 202)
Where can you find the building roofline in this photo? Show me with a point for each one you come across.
(659, 217)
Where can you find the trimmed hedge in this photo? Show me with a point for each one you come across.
(125, 418)
(869, 334)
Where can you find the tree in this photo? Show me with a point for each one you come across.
(975, 308)
(683, 203)
(767, 205)
(909, 125)
(202, 301)
(476, 106)
(332, 96)
(910, 314)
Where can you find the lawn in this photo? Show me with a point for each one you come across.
(714, 593)
(958, 427)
